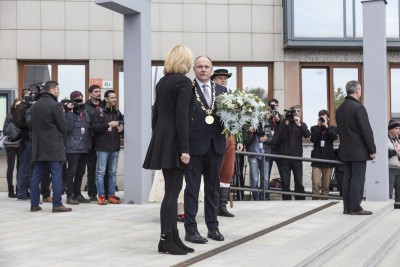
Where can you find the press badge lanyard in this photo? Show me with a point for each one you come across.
(82, 126)
(323, 138)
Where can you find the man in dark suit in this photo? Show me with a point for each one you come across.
(207, 146)
(356, 147)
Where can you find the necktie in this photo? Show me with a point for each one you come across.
(206, 94)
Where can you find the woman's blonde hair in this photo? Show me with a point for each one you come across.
(178, 60)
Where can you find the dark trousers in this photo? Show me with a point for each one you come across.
(12, 157)
(278, 162)
(45, 183)
(76, 164)
(91, 161)
(353, 185)
(238, 180)
(287, 167)
(169, 207)
(24, 170)
(56, 175)
(209, 165)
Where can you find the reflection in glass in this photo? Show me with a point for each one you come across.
(255, 80)
(340, 77)
(36, 74)
(314, 93)
(232, 81)
(314, 19)
(395, 92)
(71, 78)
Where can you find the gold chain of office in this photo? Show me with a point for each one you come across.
(209, 118)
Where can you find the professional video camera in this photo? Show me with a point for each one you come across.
(289, 114)
(76, 103)
(35, 91)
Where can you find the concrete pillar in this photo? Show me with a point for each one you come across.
(375, 95)
(137, 101)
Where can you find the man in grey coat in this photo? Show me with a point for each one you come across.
(48, 132)
(356, 147)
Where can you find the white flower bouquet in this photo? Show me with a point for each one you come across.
(239, 109)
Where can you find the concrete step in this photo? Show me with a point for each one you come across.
(372, 246)
(392, 258)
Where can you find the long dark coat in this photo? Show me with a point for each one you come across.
(172, 113)
(328, 135)
(48, 129)
(355, 132)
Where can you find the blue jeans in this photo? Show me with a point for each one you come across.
(56, 179)
(105, 159)
(259, 168)
(24, 170)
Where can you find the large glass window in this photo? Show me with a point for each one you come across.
(314, 19)
(324, 87)
(255, 80)
(71, 76)
(395, 92)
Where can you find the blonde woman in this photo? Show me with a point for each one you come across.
(169, 146)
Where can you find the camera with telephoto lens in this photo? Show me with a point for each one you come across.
(289, 114)
(35, 91)
(321, 120)
(76, 103)
(274, 113)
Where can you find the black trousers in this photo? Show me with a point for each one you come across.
(45, 183)
(76, 165)
(287, 166)
(353, 185)
(12, 157)
(91, 161)
(278, 162)
(173, 179)
(208, 165)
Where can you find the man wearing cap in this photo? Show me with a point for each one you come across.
(356, 147)
(394, 160)
(221, 76)
(77, 144)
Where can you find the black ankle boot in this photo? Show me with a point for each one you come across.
(11, 193)
(178, 241)
(223, 201)
(167, 245)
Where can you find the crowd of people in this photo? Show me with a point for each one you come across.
(58, 140)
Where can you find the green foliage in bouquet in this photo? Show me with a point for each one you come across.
(239, 110)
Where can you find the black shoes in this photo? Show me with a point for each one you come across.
(35, 208)
(223, 201)
(361, 212)
(195, 237)
(178, 241)
(167, 245)
(11, 193)
(61, 209)
(215, 235)
(81, 199)
(93, 198)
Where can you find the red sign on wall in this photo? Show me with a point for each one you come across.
(96, 81)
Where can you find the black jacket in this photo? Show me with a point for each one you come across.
(172, 113)
(355, 132)
(48, 129)
(77, 140)
(106, 140)
(290, 138)
(327, 135)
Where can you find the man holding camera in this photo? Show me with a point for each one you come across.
(394, 160)
(107, 126)
(77, 144)
(291, 134)
(356, 147)
(274, 119)
(322, 136)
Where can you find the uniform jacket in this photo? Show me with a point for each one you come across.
(327, 135)
(291, 138)
(200, 133)
(48, 129)
(172, 113)
(355, 132)
(106, 140)
(77, 140)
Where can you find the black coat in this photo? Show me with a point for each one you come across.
(328, 135)
(76, 140)
(106, 140)
(48, 129)
(172, 113)
(355, 132)
(291, 138)
(201, 133)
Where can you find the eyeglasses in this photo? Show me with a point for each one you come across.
(112, 97)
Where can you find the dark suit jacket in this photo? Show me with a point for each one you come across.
(355, 132)
(172, 113)
(48, 130)
(201, 133)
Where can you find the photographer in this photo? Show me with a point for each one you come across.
(258, 141)
(291, 133)
(322, 136)
(274, 119)
(394, 160)
(77, 143)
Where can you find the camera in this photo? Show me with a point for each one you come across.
(321, 120)
(35, 91)
(289, 114)
(120, 123)
(274, 113)
(76, 102)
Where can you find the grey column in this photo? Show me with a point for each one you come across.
(137, 84)
(375, 95)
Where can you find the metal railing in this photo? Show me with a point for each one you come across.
(269, 191)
